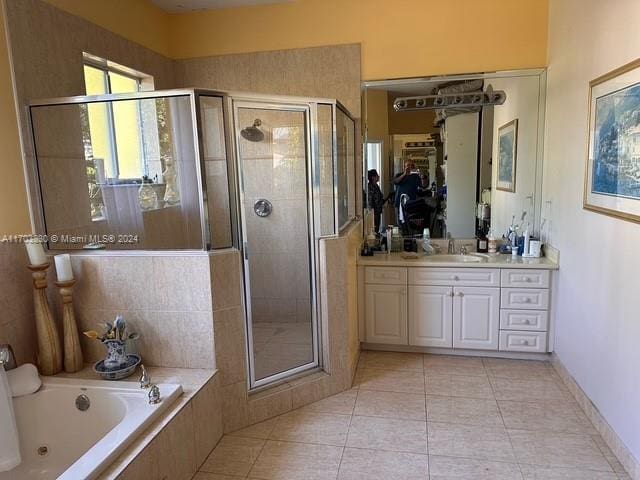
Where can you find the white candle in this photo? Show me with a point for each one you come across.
(63, 267)
(36, 253)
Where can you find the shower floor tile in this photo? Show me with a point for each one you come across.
(477, 426)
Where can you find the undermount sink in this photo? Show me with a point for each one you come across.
(455, 258)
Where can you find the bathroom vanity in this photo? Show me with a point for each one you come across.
(456, 303)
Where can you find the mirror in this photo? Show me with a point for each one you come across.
(457, 154)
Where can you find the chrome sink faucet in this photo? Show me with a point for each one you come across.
(451, 249)
(7, 357)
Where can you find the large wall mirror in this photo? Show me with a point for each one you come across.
(458, 154)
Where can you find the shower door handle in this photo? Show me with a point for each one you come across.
(245, 248)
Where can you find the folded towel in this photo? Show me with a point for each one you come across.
(9, 441)
(23, 380)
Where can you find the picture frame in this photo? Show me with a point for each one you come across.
(507, 156)
(612, 170)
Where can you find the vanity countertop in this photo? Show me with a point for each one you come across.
(490, 261)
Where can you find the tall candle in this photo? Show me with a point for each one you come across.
(36, 253)
(63, 267)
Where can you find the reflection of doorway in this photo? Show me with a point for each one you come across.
(374, 157)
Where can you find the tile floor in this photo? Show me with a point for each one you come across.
(413, 416)
(281, 346)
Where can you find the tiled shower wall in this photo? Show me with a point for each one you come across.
(17, 326)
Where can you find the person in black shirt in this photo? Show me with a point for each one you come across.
(375, 197)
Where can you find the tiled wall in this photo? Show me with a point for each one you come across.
(325, 72)
(165, 298)
(17, 326)
(338, 303)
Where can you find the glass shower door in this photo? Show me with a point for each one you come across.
(277, 232)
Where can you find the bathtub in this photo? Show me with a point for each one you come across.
(58, 440)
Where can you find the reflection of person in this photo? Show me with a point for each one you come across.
(376, 198)
(407, 183)
(425, 189)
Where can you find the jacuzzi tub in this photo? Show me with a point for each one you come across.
(58, 440)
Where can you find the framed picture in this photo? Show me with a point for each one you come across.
(507, 155)
(612, 177)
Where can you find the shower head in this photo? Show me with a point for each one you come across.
(253, 133)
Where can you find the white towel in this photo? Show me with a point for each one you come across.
(9, 441)
(24, 380)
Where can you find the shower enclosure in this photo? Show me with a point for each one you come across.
(206, 170)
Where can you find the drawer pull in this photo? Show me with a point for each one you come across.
(527, 279)
(456, 278)
(524, 342)
(460, 294)
(526, 321)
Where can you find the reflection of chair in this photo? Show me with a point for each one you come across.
(416, 215)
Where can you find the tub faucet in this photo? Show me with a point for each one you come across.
(154, 395)
(145, 378)
(7, 357)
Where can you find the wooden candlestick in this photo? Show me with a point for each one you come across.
(49, 349)
(72, 352)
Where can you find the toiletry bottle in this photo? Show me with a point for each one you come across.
(491, 243)
(525, 251)
(389, 238)
(426, 243)
(482, 243)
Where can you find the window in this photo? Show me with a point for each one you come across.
(115, 135)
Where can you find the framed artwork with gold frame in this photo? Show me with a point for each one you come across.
(507, 156)
(612, 176)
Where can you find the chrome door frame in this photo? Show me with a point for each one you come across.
(238, 103)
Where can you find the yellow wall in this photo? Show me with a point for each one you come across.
(137, 20)
(14, 210)
(400, 38)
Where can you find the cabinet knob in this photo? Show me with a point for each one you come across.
(524, 342)
(527, 300)
(527, 279)
(526, 321)
(451, 294)
(456, 278)
(460, 294)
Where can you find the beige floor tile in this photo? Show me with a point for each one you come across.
(535, 472)
(453, 365)
(393, 361)
(466, 411)
(409, 406)
(297, 461)
(528, 390)
(215, 476)
(558, 450)
(452, 468)
(470, 441)
(519, 369)
(563, 417)
(392, 380)
(390, 434)
(312, 427)
(233, 456)
(363, 464)
(341, 403)
(458, 386)
(258, 430)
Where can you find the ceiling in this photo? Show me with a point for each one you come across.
(178, 6)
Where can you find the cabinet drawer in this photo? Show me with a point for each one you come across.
(514, 341)
(464, 277)
(525, 278)
(524, 320)
(524, 298)
(386, 275)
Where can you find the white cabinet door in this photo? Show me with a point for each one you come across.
(476, 318)
(431, 316)
(386, 314)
